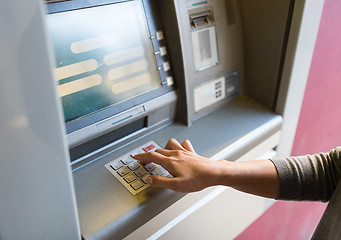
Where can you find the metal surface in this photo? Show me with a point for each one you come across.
(37, 197)
(107, 210)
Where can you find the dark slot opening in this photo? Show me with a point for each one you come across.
(97, 143)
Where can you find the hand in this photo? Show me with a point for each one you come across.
(190, 171)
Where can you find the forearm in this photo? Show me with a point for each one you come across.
(256, 177)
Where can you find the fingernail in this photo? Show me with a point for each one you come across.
(149, 180)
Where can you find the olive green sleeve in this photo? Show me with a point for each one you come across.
(311, 177)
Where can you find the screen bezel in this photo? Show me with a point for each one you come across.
(109, 111)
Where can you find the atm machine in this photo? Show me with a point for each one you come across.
(131, 74)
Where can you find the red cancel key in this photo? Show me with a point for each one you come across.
(149, 148)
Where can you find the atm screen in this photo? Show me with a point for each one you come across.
(104, 57)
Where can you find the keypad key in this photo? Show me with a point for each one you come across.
(137, 185)
(130, 178)
(149, 148)
(132, 173)
(123, 171)
(150, 166)
(116, 165)
(127, 160)
(156, 171)
(165, 173)
(159, 171)
(140, 172)
(133, 166)
(137, 151)
(144, 178)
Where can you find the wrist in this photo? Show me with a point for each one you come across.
(221, 173)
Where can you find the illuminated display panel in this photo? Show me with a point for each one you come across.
(101, 61)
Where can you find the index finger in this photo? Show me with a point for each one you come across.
(154, 157)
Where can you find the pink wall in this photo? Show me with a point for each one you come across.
(318, 130)
(319, 126)
(285, 220)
